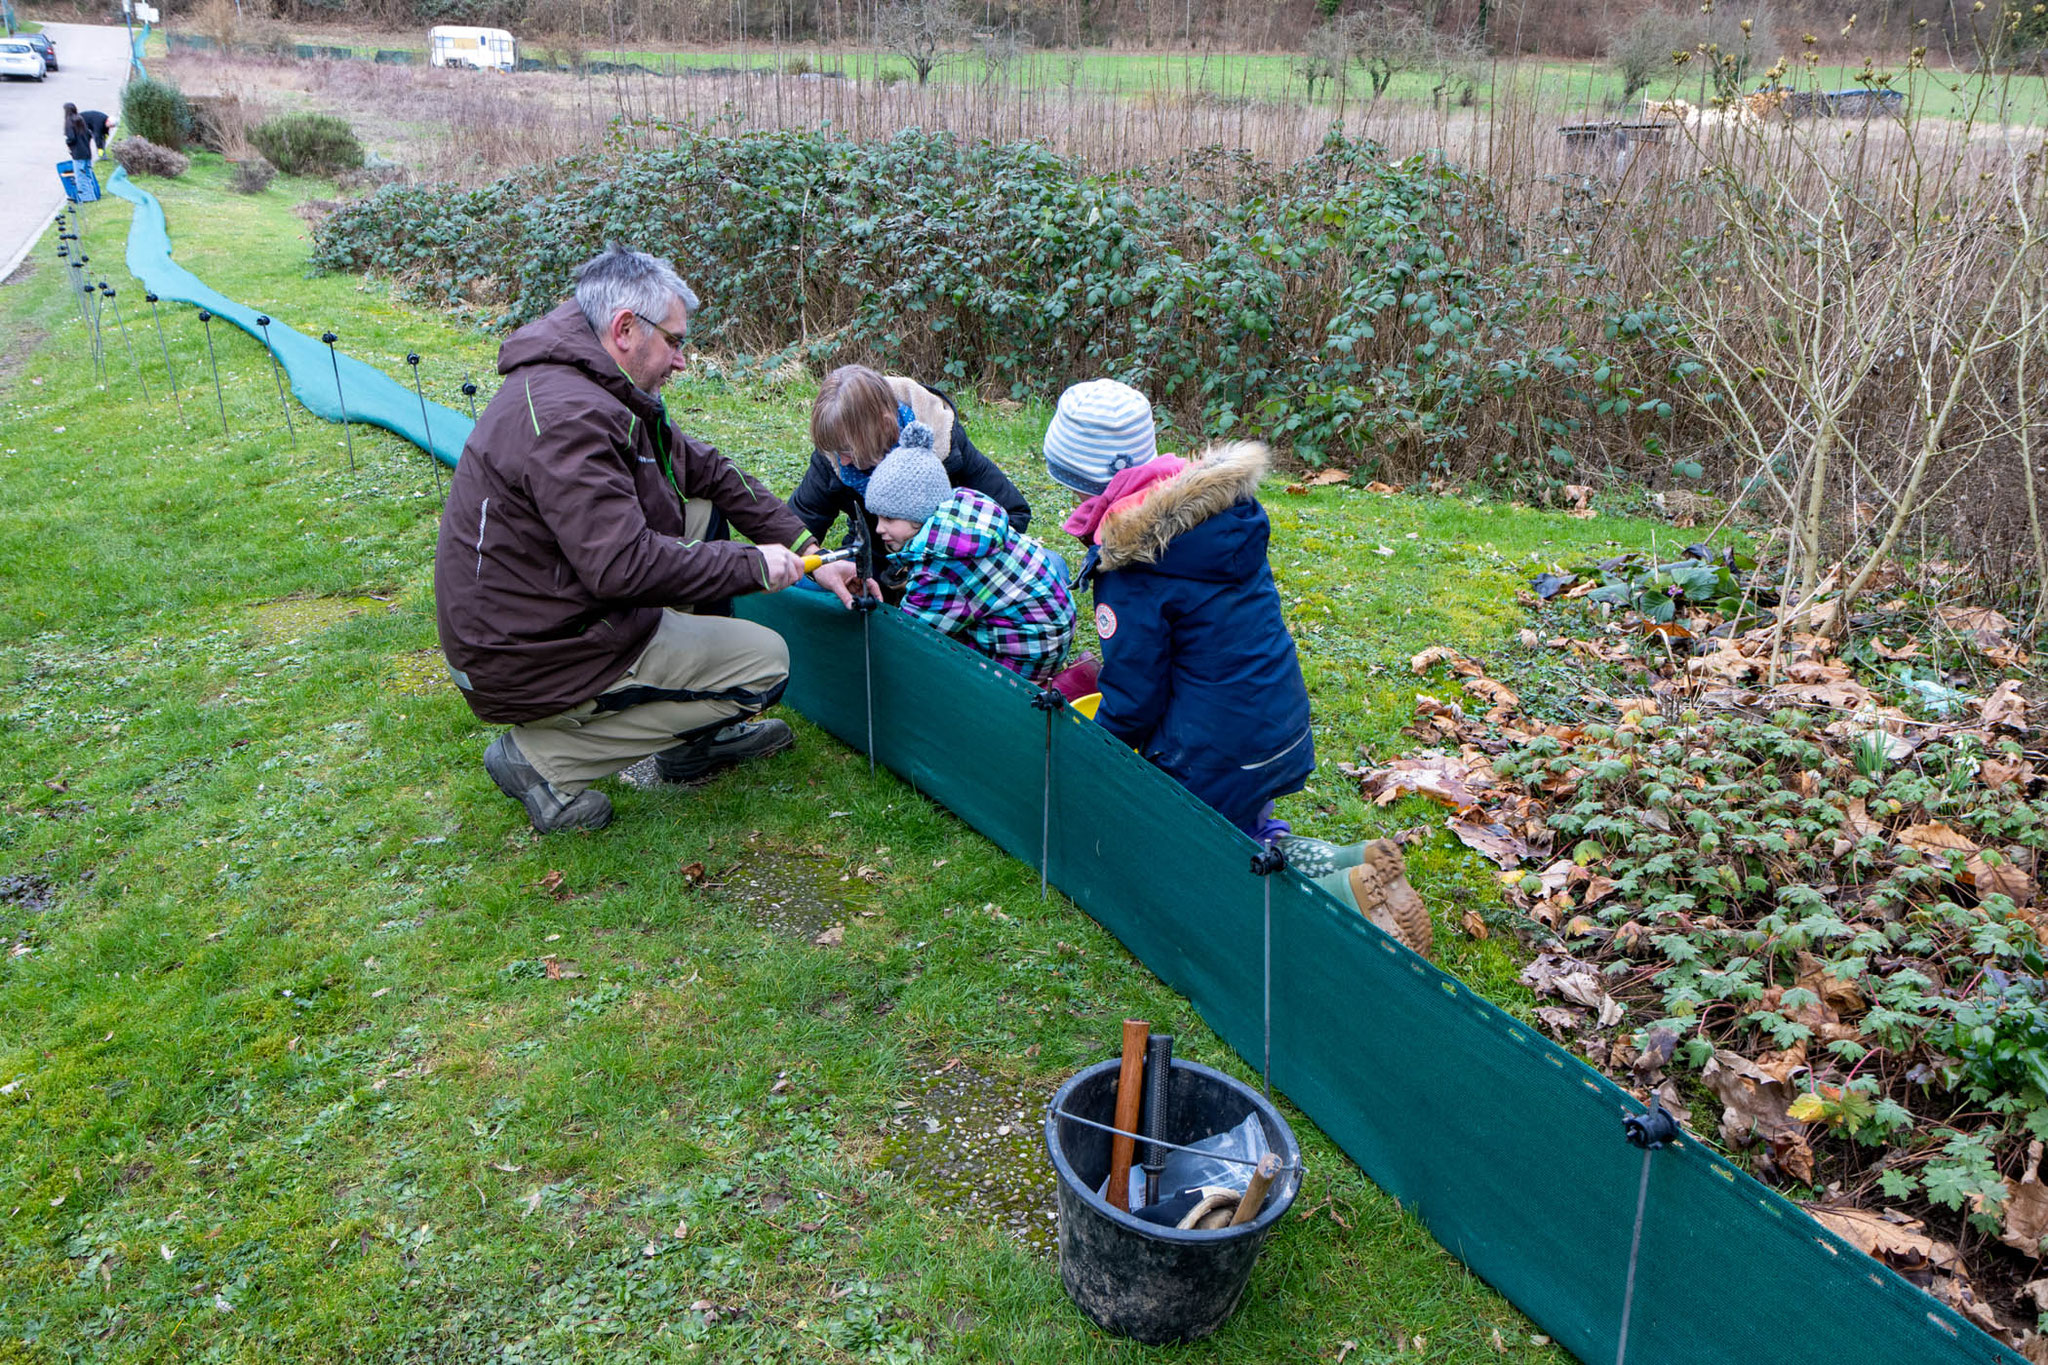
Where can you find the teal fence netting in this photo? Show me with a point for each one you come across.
(365, 394)
(1510, 1149)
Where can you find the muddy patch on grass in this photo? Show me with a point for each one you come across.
(973, 1145)
(421, 673)
(789, 894)
(291, 619)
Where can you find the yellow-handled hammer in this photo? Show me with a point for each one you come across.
(812, 562)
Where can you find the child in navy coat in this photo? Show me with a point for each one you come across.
(1199, 672)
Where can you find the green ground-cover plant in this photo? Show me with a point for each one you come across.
(1760, 888)
(1351, 306)
(308, 1050)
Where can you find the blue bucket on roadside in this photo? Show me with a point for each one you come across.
(81, 186)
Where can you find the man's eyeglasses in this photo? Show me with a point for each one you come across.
(675, 343)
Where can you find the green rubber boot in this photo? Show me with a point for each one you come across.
(1314, 858)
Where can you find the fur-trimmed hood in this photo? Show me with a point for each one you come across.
(1224, 479)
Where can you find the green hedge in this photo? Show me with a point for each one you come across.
(1350, 305)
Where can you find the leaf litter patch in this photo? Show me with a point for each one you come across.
(970, 1144)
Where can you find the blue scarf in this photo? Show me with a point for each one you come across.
(857, 479)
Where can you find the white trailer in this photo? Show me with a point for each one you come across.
(486, 49)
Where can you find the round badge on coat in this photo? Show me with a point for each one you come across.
(1105, 620)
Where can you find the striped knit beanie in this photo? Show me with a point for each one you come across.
(1100, 429)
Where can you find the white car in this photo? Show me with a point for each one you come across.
(18, 58)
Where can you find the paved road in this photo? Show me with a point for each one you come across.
(92, 62)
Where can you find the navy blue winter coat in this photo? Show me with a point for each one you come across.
(1199, 673)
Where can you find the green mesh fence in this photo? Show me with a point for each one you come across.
(1510, 1149)
(366, 394)
(1506, 1146)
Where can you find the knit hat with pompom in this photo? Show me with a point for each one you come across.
(910, 482)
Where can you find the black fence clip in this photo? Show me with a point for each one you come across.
(1049, 699)
(1267, 861)
(1652, 1128)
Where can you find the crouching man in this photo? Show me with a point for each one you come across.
(583, 570)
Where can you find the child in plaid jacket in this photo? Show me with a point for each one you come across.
(971, 576)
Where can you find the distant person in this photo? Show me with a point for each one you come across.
(78, 134)
(971, 576)
(583, 573)
(100, 124)
(857, 419)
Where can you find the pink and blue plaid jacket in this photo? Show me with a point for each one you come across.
(988, 587)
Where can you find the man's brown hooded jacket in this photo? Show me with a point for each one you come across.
(562, 536)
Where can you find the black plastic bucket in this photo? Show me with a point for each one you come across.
(1138, 1279)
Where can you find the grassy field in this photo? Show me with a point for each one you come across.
(310, 1050)
(1559, 87)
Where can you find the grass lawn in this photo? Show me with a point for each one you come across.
(310, 1050)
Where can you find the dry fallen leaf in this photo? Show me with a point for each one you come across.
(2002, 880)
(2026, 1207)
(1450, 781)
(1973, 619)
(1472, 924)
(2005, 706)
(1328, 477)
(1444, 654)
(1937, 839)
(1754, 1102)
(1996, 772)
(1873, 1234)
(1494, 841)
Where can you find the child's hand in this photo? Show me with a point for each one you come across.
(840, 579)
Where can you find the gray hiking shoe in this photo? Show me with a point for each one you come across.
(741, 742)
(545, 809)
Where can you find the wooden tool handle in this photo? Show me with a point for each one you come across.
(1130, 1091)
(1255, 1192)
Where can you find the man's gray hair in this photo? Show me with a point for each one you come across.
(616, 278)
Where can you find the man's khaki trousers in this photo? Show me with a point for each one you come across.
(697, 674)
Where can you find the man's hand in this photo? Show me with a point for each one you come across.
(840, 578)
(783, 565)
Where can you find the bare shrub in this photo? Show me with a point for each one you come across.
(140, 156)
(252, 176)
(1640, 52)
(925, 33)
(220, 20)
(1325, 60)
